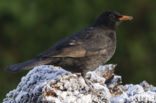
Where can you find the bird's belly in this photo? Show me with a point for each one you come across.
(97, 60)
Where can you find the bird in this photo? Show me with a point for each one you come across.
(82, 51)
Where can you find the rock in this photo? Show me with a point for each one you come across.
(49, 84)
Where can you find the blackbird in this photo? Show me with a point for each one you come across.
(83, 51)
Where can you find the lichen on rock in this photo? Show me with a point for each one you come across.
(49, 84)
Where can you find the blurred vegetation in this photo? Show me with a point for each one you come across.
(28, 27)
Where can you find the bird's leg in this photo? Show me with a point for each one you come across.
(87, 82)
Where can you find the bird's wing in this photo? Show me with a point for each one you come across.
(77, 51)
(74, 51)
(74, 46)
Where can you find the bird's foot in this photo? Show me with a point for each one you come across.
(91, 88)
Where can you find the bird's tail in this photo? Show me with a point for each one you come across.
(27, 65)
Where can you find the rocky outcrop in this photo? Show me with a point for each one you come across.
(49, 84)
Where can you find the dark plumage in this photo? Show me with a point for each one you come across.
(83, 51)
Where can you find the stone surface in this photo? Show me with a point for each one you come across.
(49, 84)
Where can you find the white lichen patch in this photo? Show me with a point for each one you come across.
(49, 84)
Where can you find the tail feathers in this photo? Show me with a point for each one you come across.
(26, 65)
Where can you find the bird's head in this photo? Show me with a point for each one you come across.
(111, 19)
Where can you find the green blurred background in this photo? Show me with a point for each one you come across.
(28, 27)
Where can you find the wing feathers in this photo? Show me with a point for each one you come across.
(78, 51)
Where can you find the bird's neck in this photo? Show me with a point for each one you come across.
(105, 24)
